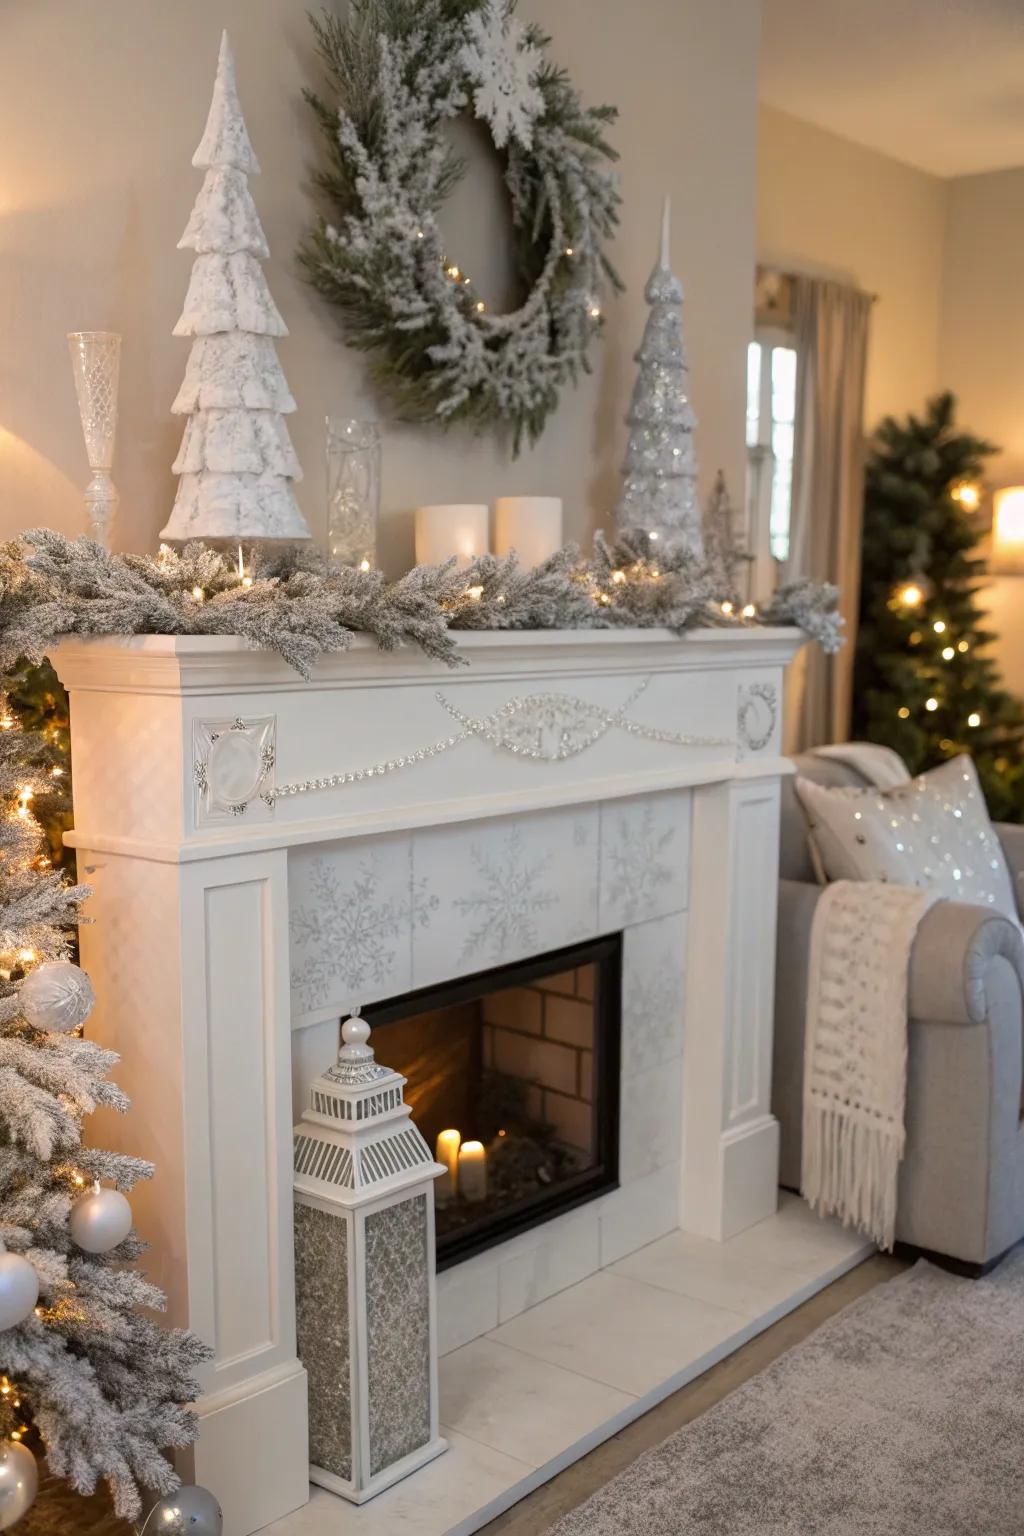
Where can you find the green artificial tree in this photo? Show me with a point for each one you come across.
(926, 683)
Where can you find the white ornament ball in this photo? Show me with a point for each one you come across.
(189, 1512)
(19, 1290)
(100, 1220)
(56, 996)
(19, 1482)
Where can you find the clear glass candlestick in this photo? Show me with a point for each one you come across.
(353, 491)
(96, 365)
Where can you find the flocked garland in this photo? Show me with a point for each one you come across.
(400, 71)
(292, 602)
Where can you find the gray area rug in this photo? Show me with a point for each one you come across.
(904, 1415)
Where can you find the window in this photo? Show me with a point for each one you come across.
(771, 412)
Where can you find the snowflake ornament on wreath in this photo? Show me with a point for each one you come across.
(401, 70)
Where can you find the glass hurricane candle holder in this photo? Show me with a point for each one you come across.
(96, 365)
(353, 491)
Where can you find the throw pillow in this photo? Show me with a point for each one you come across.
(934, 832)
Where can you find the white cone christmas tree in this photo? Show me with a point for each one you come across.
(660, 490)
(236, 462)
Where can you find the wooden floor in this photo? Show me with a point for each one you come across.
(541, 1510)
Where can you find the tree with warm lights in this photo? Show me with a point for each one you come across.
(85, 1377)
(926, 683)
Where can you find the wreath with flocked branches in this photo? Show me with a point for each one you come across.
(400, 71)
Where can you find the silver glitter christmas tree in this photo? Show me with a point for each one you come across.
(659, 495)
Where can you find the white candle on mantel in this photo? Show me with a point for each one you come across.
(473, 1172)
(458, 529)
(530, 525)
(447, 1152)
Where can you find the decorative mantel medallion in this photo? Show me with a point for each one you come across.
(233, 767)
(757, 714)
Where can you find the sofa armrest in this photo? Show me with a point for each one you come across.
(953, 952)
(1012, 839)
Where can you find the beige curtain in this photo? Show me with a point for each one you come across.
(830, 322)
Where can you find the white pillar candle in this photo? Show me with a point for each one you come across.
(446, 1151)
(530, 525)
(473, 1172)
(459, 529)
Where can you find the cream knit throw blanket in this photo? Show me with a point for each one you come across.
(855, 1064)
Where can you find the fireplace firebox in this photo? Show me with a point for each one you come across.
(513, 1075)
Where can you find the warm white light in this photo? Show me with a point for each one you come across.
(974, 720)
(939, 626)
(962, 646)
(595, 311)
(475, 593)
(618, 577)
(749, 611)
(568, 250)
(967, 494)
(364, 565)
(910, 595)
(1008, 531)
(727, 609)
(931, 705)
(948, 653)
(198, 594)
(481, 306)
(654, 536)
(903, 712)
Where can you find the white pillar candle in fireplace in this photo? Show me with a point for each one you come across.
(473, 1172)
(447, 1152)
(530, 525)
(458, 529)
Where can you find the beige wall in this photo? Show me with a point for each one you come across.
(829, 207)
(982, 354)
(101, 109)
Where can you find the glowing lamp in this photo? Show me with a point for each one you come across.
(910, 594)
(1008, 532)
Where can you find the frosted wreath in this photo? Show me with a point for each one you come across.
(400, 71)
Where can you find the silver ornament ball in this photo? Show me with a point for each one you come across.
(100, 1220)
(19, 1482)
(57, 996)
(189, 1512)
(19, 1290)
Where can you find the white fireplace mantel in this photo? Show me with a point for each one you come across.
(189, 941)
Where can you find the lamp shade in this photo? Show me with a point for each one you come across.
(1008, 532)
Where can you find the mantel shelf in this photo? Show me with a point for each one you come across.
(210, 663)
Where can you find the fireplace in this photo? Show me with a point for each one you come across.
(513, 1075)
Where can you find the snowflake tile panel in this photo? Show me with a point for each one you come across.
(503, 890)
(645, 858)
(653, 993)
(354, 906)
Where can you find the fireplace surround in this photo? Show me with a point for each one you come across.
(233, 927)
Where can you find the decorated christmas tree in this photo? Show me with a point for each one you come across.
(926, 683)
(659, 495)
(727, 561)
(85, 1377)
(236, 461)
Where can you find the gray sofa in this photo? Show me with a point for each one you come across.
(961, 1190)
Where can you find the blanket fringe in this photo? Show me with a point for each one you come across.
(850, 1170)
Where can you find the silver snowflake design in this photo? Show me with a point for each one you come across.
(508, 898)
(502, 66)
(350, 933)
(652, 1013)
(638, 867)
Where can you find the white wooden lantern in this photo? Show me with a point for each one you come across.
(364, 1276)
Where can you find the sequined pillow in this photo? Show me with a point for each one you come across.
(934, 832)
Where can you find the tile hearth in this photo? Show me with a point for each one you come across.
(527, 1399)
